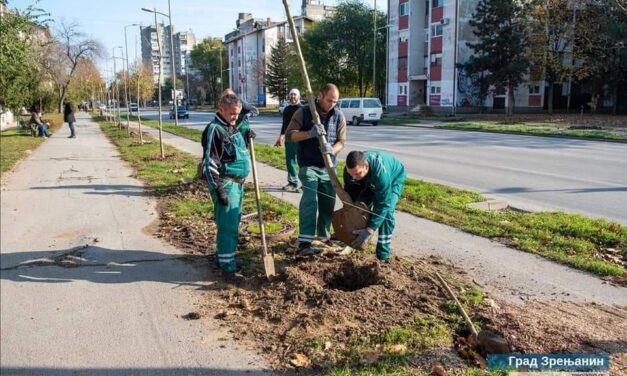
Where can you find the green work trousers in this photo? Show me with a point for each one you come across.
(316, 205)
(227, 220)
(290, 162)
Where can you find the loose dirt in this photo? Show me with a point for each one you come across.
(334, 310)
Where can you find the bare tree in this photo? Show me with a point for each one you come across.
(72, 47)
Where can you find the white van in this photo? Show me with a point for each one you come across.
(361, 110)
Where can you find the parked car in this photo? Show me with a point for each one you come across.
(133, 107)
(361, 110)
(181, 111)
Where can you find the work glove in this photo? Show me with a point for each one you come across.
(362, 237)
(223, 198)
(250, 134)
(317, 130)
(326, 148)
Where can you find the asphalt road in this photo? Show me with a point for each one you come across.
(529, 172)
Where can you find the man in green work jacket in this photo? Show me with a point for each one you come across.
(226, 166)
(377, 179)
(318, 199)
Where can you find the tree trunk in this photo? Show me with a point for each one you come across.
(615, 99)
(510, 99)
(550, 97)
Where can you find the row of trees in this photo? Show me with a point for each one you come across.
(38, 68)
(552, 40)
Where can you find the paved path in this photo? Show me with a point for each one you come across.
(504, 272)
(118, 309)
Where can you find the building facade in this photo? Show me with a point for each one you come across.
(183, 43)
(248, 49)
(426, 41)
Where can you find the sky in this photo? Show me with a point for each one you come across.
(104, 20)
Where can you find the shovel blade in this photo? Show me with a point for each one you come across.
(348, 219)
(268, 265)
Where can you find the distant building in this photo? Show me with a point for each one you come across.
(426, 41)
(248, 48)
(183, 43)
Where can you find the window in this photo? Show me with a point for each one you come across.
(435, 89)
(534, 89)
(344, 104)
(354, 103)
(436, 60)
(436, 30)
(402, 89)
(426, 35)
(372, 103)
(437, 3)
(404, 9)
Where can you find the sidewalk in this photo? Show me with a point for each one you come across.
(503, 272)
(85, 288)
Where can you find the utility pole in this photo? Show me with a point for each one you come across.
(173, 64)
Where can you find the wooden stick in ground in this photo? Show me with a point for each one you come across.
(268, 260)
(344, 197)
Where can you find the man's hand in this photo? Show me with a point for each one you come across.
(317, 130)
(280, 141)
(223, 198)
(362, 237)
(327, 149)
(250, 134)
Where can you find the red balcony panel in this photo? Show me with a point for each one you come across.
(434, 100)
(435, 73)
(437, 14)
(436, 44)
(401, 100)
(403, 22)
(402, 49)
(535, 100)
(402, 75)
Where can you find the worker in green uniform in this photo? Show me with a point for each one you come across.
(377, 179)
(318, 199)
(226, 166)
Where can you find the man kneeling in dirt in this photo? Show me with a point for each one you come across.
(377, 179)
(226, 166)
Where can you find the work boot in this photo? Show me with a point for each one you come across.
(233, 277)
(291, 188)
(308, 251)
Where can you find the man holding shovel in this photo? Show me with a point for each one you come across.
(377, 179)
(226, 166)
(318, 199)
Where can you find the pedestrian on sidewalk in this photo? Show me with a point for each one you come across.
(35, 119)
(290, 147)
(227, 164)
(68, 117)
(318, 199)
(377, 179)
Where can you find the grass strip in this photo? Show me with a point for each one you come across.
(538, 129)
(16, 144)
(570, 239)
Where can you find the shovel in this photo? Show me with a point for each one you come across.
(350, 217)
(268, 260)
(489, 341)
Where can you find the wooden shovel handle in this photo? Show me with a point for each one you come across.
(328, 163)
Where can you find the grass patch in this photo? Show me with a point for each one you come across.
(571, 239)
(537, 129)
(16, 144)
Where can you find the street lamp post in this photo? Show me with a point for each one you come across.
(128, 105)
(117, 89)
(374, 49)
(169, 15)
(154, 11)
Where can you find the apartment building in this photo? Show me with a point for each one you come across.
(248, 49)
(426, 39)
(183, 43)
